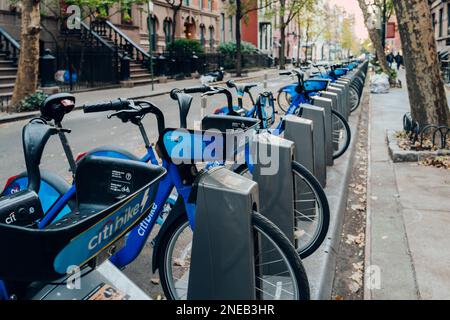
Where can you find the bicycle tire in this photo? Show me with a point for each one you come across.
(279, 97)
(355, 99)
(258, 221)
(322, 199)
(338, 153)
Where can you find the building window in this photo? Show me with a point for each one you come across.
(202, 34)
(230, 20)
(448, 19)
(210, 5)
(222, 27)
(168, 31)
(211, 37)
(152, 32)
(265, 34)
(441, 15)
(200, 4)
(186, 3)
(433, 18)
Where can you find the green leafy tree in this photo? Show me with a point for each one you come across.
(240, 9)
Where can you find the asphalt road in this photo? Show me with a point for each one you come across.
(94, 130)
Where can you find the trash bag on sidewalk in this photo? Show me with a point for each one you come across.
(380, 83)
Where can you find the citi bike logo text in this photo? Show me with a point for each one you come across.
(143, 226)
(113, 226)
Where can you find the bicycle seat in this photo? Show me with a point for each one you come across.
(245, 87)
(184, 104)
(113, 196)
(56, 106)
(241, 87)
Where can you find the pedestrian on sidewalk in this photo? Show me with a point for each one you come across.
(399, 60)
(390, 59)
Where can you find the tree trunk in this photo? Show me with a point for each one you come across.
(282, 47)
(375, 37)
(282, 35)
(307, 42)
(238, 39)
(425, 86)
(28, 66)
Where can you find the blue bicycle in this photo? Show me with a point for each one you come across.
(302, 92)
(333, 73)
(172, 245)
(310, 203)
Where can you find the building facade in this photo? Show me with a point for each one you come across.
(440, 15)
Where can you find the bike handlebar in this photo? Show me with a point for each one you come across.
(113, 105)
(197, 89)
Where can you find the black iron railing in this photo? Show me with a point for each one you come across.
(9, 46)
(94, 64)
(116, 37)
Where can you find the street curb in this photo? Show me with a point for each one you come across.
(367, 292)
(399, 155)
(29, 115)
(321, 266)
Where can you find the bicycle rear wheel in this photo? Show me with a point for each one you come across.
(291, 283)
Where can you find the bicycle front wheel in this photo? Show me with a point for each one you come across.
(341, 134)
(311, 209)
(275, 252)
(354, 99)
(284, 100)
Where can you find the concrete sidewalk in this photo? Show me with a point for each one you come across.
(408, 215)
(138, 92)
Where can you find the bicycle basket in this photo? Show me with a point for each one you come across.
(222, 138)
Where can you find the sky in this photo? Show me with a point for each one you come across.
(352, 7)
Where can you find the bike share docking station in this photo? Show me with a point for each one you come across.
(334, 97)
(222, 258)
(327, 105)
(340, 94)
(223, 247)
(317, 116)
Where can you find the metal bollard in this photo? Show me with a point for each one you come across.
(266, 76)
(222, 259)
(203, 105)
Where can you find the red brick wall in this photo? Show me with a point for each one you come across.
(250, 29)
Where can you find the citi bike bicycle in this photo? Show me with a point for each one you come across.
(302, 92)
(291, 283)
(34, 257)
(311, 209)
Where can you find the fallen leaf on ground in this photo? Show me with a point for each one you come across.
(154, 280)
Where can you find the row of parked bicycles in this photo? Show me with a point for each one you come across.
(48, 226)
